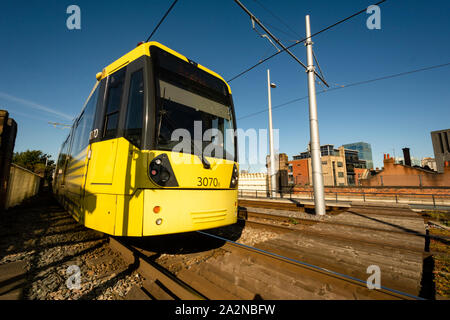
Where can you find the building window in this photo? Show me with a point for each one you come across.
(340, 174)
(324, 162)
(339, 164)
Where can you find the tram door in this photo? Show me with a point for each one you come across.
(99, 196)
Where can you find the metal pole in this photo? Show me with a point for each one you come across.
(319, 197)
(272, 173)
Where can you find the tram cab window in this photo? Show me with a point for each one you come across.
(186, 97)
(114, 98)
(133, 125)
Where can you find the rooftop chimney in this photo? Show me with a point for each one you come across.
(406, 156)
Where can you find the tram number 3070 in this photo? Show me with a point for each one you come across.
(207, 182)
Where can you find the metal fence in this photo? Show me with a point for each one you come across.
(381, 180)
(434, 200)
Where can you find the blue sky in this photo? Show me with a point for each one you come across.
(47, 71)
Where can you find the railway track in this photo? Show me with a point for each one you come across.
(163, 284)
(332, 209)
(160, 284)
(328, 236)
(393, 238)
(277, 265)
(341, 284)
(251, 214)
(308, 222)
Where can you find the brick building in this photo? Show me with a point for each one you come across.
(299, 172)
(360, 173)
(394, 174)
(428, 162)
(340, 167)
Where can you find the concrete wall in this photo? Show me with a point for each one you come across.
(22, 185)
(441, 147)
(252, 182)
(331, 177)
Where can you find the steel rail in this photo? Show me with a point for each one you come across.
(388, 291)
(154, 272)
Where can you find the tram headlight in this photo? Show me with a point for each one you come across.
(234, 177)
(160, 171)
(165, 176)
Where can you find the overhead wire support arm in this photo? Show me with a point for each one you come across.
(263, 35)
(59, 124)
(317, 63)
(300, 41)
(254, 18)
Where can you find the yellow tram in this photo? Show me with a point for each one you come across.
(154, 149)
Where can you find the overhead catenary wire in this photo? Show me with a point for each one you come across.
(349, 85)
(280, 30)
(161, 21)
(293, 32)
(300, 41)
(254, 18)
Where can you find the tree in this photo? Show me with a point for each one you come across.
(35, 161)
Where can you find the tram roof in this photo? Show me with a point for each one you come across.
(144, 49)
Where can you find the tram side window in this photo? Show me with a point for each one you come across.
(84, 125)
(76, 136)
(133, 125)
(63, 155)
(115, 85)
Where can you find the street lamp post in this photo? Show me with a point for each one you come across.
(272, 173)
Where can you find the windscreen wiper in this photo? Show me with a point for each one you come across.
(205, 161)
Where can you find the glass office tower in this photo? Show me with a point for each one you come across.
(364, 152)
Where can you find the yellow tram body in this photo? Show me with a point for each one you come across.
(116, 172)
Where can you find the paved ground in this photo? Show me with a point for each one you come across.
(39, 241)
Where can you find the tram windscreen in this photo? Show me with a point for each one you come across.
(193, 109)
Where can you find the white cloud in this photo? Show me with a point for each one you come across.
(36, 106)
